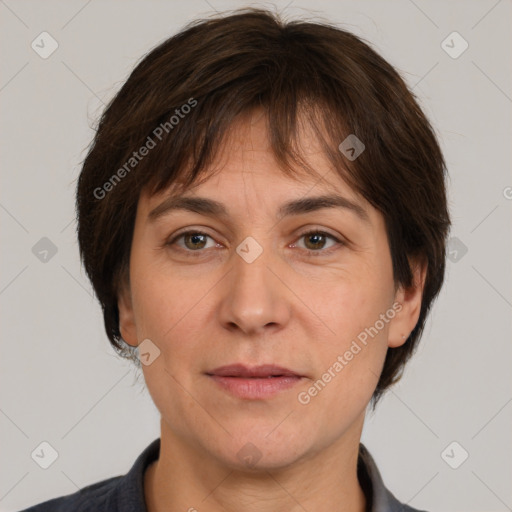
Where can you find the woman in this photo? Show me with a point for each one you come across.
(263, 217)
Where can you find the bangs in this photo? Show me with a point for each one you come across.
(187, 156)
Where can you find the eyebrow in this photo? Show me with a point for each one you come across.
(212, 208)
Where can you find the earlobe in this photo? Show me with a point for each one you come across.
(410, 300)
(127, 326)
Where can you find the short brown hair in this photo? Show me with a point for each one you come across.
(225, 66)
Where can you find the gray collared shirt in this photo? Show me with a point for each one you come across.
(378, 496)
(126, 493)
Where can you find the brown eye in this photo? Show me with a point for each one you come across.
(195, 241)
(192, 241)
(315, 241)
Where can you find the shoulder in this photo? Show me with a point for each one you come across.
(93, 497)
(117, 494)
(397, 506)
(378, 495)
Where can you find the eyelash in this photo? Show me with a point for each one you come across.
(309, 252)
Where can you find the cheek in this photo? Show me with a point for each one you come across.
(172, 321)
(352, 305)
(163, 303)
(351, 357)
(348, 368)
(174, 316)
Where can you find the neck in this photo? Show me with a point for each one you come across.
(185, 479)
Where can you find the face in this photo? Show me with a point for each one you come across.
(268, 317)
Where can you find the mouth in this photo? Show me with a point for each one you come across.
(254, 383)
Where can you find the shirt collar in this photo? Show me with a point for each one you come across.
(130, 488)
(378, 497)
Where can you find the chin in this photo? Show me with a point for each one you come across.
(259, 450)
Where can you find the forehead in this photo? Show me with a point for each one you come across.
(245, 159)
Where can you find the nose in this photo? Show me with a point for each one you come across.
(255, 299)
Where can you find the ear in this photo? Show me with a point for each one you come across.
(126, 316)
(410, 300)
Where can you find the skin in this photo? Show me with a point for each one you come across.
(289, 307)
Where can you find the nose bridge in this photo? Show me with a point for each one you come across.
(253, 298)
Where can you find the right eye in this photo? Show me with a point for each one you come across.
(192, 241)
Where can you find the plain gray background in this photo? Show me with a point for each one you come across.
(60, 381)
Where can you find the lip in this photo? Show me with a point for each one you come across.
(256, 382)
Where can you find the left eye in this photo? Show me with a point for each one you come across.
(316, 240)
